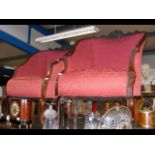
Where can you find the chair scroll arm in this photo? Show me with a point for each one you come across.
(132, 73)
(64, 60)
(131, 70)
(49, 74)
(63, 70)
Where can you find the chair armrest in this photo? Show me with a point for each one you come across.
(19, 70)
(59, 73)
(65, 63)
(53, 73)
(133, 73)
(134, 52)
(51, 66)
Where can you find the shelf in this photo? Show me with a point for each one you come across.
(148, 94)
(4, 125)
(151, 94)
(15, 125)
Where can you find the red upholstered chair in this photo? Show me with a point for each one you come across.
(97, 67)
(30, 80)
(27, 81)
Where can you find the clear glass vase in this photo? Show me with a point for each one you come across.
(50, 116)
(91, 120)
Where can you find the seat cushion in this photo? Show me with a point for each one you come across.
(25, 87)
(94, 82)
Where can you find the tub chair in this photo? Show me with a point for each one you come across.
(30, 81)
(101, 68)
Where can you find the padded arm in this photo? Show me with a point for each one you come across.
(32, 67)
(22, 70)
(60, 69)
(39, 64)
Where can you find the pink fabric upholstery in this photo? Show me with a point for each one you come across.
(93, 83)
(29, 87)
(38, 64)
(28, 78)
(99, 67)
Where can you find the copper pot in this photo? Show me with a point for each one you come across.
(146, 118)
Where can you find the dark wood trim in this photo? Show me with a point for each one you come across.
(47, 78)
(132, 74)
(65, 62)
(131, 70)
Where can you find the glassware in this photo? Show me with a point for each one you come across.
(118, 117)
(50, 118)
(89, 106)
(75, 114)
(91, 120)
(66, 113)
(75, 121)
